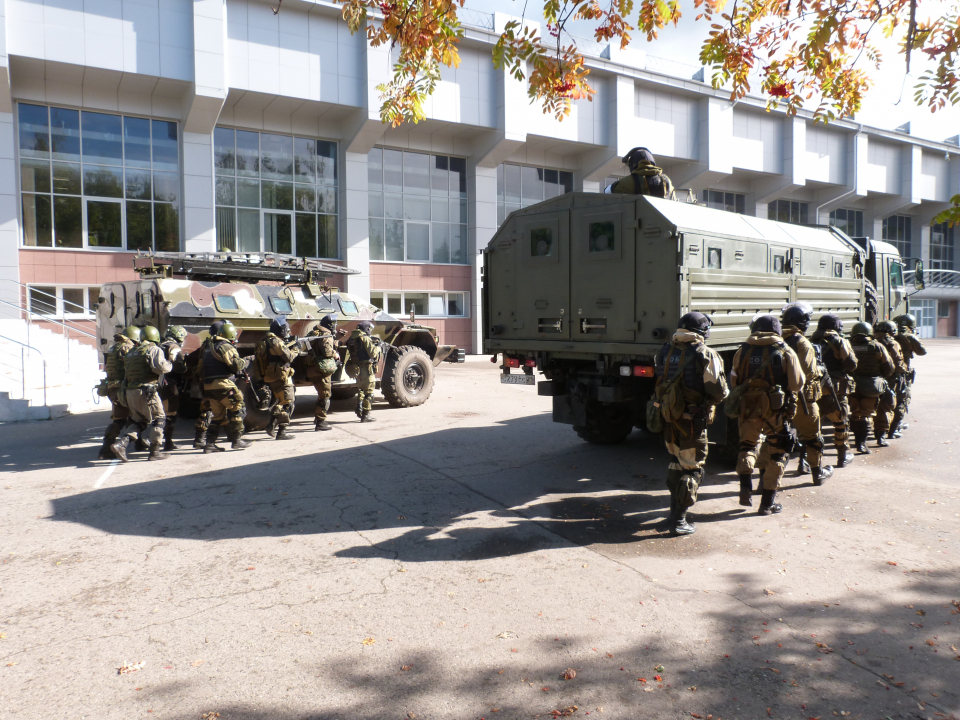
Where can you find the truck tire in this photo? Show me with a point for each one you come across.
(606, 424)
(407, 377)
(871, 309)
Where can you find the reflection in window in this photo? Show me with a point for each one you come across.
(519, 186)
(848, 221)
(63, 301)
(601, 236)
(451, 304)
(941, 247)
(789, 211)
(838, 269)
(896, 275)
(226, 302)
(779, 263)
(80, 165)
(728, 201)
(714, 258)
(541, 242)
(897, 230)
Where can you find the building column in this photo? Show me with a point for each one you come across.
(9, 217)
(199, 226)
(482, 197)
(355, 234)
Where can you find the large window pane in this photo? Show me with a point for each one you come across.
(327, 245)
(531, 183)
(136, 142)
(458, 211)
(43, 300)
(440, 211)
(35, 176)
(394, 306)
(441, 243)
(276, 157)
(392, 171)
(277, 195)
(511, 183)
(224, 151)
(104, 225)
(306, 198)
(566, 182)
(248, 230)
(458, 244)
(393, 240)
(376, 239)
(326, 162)
(458, 177)
(248, 154)
(166, 154)
(439, 175)
(418, 242)
(68, 222)
(306, 235)
(166, 227)
(305, 160)
(139, 226)
(102, 138)
(37, 223)
(416, 208)
(416, 173)
(73, 301)
(34, 131)
(278, 233)
(551, 184)
(248, 193)
(226, 191)
(392, 205)
(138, 185)
(166, 187)
(102, 181)
(326, 199)
(416, 303)
(66, 178)
(375, 170)
(65, 134)
(455, 304)
(375, 204)
(437, 305)
(226, 229)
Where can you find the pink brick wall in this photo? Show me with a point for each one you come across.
(68, 267)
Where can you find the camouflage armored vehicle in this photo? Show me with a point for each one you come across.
(251, 290)
(585, 288)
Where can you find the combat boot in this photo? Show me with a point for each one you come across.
(168, 428)
(271, 428)
(746, 488)
(119, 447)
(366, 417)
(141, 445)
(844, 457)
(680, 526)
(200, 440)
(769, 504)
(237, 442)
(155, 453)
(860, 430)
(803, 467)
(213, 433)
(359, 411)
(881, 440)
(110, 436)
(820, 474)
(282, 433)
(105, 452)
(322, 425)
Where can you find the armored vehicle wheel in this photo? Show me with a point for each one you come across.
(407, 377)
(606, 424)
(343, 393)
(871, 304)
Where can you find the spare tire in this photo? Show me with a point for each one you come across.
(871, 310)
(407, 377)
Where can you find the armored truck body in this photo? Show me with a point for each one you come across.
(585, 288)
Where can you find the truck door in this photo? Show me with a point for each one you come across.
(896, 302)
(111, 314)
(603, 274)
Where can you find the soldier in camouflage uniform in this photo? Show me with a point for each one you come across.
(172, 347)
(323, 362)
(364, 354)
(795, 319)
(697, 373)
(910, 345)
(772, 371)
(274, 356)
(143, 369)
(645, 177)
(837, 384)
(203, 421)
(221, 396)
(873, 365)
(113, 383)
(885, 332)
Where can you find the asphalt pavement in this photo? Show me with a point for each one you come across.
(470, 559)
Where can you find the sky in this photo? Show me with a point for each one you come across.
(887, 105)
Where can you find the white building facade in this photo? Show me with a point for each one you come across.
(131, 125)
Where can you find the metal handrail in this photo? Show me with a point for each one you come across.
(23, 367)
(34, 290)
(44, 318)
(935, 278)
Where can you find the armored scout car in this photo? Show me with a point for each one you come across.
(250, 290)
(585, 288)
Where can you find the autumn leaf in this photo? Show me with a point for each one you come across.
(126, 668)
(569, 674)
(368, 641)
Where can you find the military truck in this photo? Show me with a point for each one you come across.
(250, 290)
(585, 288)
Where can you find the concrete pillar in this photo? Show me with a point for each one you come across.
(482, 197)
(9, 217)
(355, 228)
(199, 234)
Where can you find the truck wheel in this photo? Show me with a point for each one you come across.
(407, 377)
(871, 304)
(606, 424)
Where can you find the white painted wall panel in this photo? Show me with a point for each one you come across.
(757, 141)
(935, 177)
(884, 167)
(667, 122)
(826, 159)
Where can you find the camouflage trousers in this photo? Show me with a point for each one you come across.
(324, 388)
(808, 430)
(886, 407)
(839, 417)
(689, 450)
(863, 408)
(146, 414)
(366, 386)
(776, 444)
(118, 415)
(225, 401)
(284, 396)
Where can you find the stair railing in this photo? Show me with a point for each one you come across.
(23, 366)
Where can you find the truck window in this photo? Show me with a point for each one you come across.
(349, 307)
(226, 303)
(541, 242)
(602, 236)
(779, 263)
(714, 258)
(281, 306)
(896, 275)
(838, 269)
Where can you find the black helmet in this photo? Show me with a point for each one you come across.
(215, 327)
(907, 320)
(885, 327)
(797, 314)
(366, 326)
(862, 328)
(329, 321)
(696, 322)
(830, 321)
(766, 323)
(637, 157)
(279, 327)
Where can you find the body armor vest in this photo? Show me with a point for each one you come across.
(794, 343)
(136, 366)
(751, 358)
(357, 351)
(213, 367)
(113, 362)
(692, 379)
(868, 356)
(322, 345)
(828, 356)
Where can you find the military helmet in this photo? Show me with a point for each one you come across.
(279, 326)
(862, 328)
(329, 321)
(132, 332)
(906, 320)
(176, 332)
(151, 334)
(215, 327)
(830, 321)
(885, 327)
(637, 157)
(228, 331)
(766, 323)
(696, 322)
(797, 314)
(366, 326)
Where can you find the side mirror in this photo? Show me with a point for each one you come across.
(918, 282)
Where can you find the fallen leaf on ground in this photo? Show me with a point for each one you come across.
(404, 668)
(507, 634)
(570, 674)
(659, 668)
(368, 641)
(251, 568)
(768, 592)
(127, 668)
(210, 716)
(566, 712)
(197, 663)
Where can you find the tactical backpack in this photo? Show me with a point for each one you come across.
(667, 403)
(733, 405)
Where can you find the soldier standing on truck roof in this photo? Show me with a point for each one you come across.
(873, 365)
(274, 355)
(143, 369)
(691, 382)
(323, 363)
(203, 421)
(645, 177)
(364, 353)
(221, 396)
(885, 333)
(795, 319)
(112, 386)
(172, 347)
(910, 345)
(772, 375)
(837, 384)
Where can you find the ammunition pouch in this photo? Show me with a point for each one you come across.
(777, 398)
(684, 487)
(654, 417)
(103, 389)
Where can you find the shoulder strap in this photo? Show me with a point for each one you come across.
(684, 361)
(767, 357)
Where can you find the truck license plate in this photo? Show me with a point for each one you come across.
(518, 380)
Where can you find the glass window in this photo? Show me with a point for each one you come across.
(519, 186)
(417, 303)
(43, 299)
(432, 304)
(348, 307)
(68, 222)
(714, 258)
(37, 221)
(848, 221)
(789, 211)
(224, 150)
(455, 304)
(896, 275)
(226, 302)
(34, 126)
(602, 237)
(941, 247)
(65, 134)
(101, 137)
(281, 306)
(136, 142)
(73, 301)
(727, 201)
(541, 242)
(276, 157)
(104, 224)
(93, 299)
(35, 176)
(898, 230)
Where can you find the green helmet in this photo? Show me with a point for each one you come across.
(862, 328)
(150, 334)
(885, 327)
(906, 320)
(132, 332)
(228, 331)
(176, 332)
